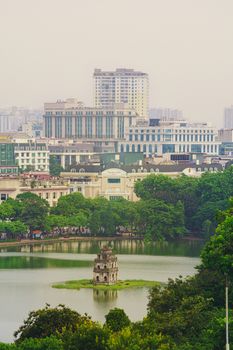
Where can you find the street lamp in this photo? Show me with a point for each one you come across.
(227, 318)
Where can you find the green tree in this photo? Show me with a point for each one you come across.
(161, 220)
(55, 167)
(157, 186)
(217, 254)
(34, 210)
(71, 204)
(116, 320)
(176, 313)
(49, 321)
(4, 346)
(13, 229)
(48, 343)
(6, 211)
(89, 336)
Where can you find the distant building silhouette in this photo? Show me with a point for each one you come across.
(228, 117)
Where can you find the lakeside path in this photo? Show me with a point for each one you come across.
(61, 239)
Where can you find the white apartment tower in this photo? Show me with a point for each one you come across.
(124, 86)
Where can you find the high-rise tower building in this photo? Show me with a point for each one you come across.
(124, 86)
(228, 118)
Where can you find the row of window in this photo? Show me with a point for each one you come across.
(33, 161)
(9, 170)
(22, 154)
(90, 128)
(167, 131)
(171, 137)
(169, 148)
(34, 167)
(30, 148)
(53, 195)
(88, 113)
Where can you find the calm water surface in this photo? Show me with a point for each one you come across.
(27, 272)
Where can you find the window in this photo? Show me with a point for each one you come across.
(68, 127)
(169, 148)
(114, 181)
(3, 196)
(115, 198)
(196, 148)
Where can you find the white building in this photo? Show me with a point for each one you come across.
(31, 154)
(124, 86)
(171, 137)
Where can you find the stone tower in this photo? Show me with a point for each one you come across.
(105, 267)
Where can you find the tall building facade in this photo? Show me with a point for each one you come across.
(228, 117)
(71, 120)
(122, 86)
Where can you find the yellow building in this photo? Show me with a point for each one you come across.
(113, 182)
(49, 189)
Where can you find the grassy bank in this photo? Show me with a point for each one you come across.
(85, 283)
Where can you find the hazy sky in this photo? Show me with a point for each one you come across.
(49, 49)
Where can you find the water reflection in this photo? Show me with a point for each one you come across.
(104, 295)
(30, 262)
(189, 248)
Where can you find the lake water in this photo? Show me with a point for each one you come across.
(27, 272)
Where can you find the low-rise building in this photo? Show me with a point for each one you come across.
(118, 181)
(68, 154)
(43, 185)
(31, 154)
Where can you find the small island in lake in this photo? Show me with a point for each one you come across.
(105, 276)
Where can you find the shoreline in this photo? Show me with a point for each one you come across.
(78, 238)
(119, 285)
(62, 239)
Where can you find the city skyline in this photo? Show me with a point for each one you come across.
(49, 52)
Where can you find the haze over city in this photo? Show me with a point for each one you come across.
(49, 50)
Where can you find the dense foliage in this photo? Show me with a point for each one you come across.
(168, 209)
(202, 198)
(75, 214)
(186, 314)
